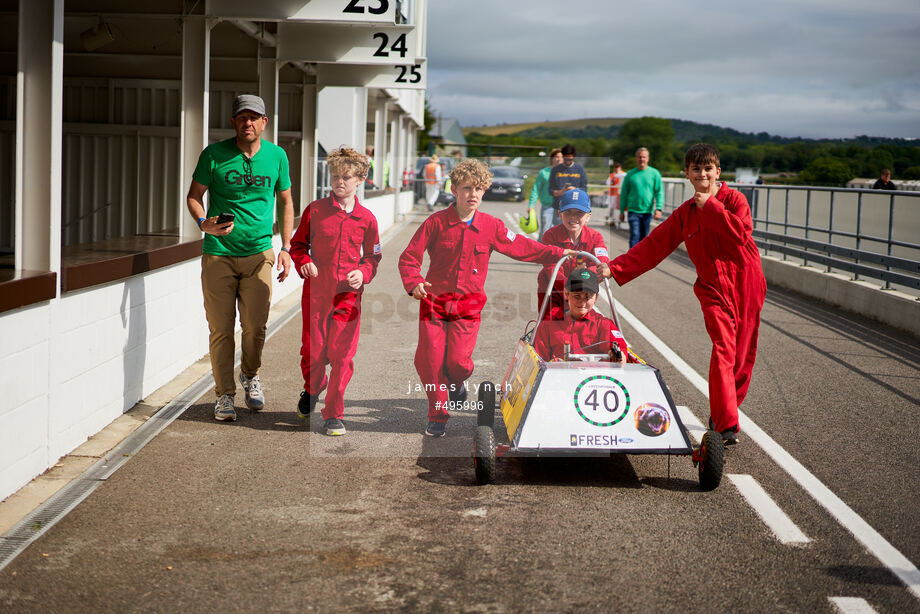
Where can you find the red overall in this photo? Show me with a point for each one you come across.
(592, 334)
(730, 287)
(449, 317)
(590, 241)
(337, 243)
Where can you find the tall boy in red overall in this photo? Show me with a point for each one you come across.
(716, 225)
(459, 241)
(336, 250)
(573, 233)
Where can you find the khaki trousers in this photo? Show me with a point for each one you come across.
(225, 282)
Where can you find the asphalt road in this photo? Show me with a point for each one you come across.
(268, 514)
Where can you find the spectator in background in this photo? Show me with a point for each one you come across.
(884, 182)
(549, 216)
(369, 180)
(614, 182)
(566, 176)
(642, 194)
(432, 181)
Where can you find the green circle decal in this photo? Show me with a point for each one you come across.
(606, 401)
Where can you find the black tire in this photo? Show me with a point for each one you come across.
(484, 455)
(486, 412)
(712, 462)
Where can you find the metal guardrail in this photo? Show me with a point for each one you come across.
(869, 233)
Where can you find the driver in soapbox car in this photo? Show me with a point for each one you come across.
(583, 330)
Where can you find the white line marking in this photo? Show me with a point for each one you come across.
(691, 423)
(851, 605)
(877, 545)
(776, 519)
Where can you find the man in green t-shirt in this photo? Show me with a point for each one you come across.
(641, 194)
(243, 175)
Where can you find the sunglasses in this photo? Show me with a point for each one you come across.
(247, 170)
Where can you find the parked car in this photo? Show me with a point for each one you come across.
(507, 183)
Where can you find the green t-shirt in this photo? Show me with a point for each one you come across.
(540, 190)
(248, 190)
(642, 191)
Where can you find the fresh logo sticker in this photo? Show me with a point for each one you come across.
(511, 236)
(600, 251)
(377, 250)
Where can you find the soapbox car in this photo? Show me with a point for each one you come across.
(585, 405)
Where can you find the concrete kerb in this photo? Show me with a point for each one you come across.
(72, 466)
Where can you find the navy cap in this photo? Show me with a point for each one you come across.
(248, 102)
(575, 199)
(582, 280)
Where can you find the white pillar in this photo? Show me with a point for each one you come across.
(380, 140)
(396, 165)
(413, 142)
(268, 91)
(193, 116)
(39, 92)
(308, 144)
(341, 114)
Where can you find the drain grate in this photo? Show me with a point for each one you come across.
(59, 505)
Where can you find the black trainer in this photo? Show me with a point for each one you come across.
(457, 393)
(729, 436)
(436, 429)
(306, 404)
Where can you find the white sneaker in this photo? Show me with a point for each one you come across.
(223, 408)
(255, 398)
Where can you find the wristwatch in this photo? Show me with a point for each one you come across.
(286, 249)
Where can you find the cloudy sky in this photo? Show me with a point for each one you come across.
(814, 68)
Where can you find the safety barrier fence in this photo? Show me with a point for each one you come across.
(869, 233)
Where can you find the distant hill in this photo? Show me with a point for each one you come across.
(684, 131)
(571, 128)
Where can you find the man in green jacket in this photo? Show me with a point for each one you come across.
(549, 217)
(641, 196)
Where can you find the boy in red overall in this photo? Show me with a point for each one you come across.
(336, 250)
(459, 241)
(573, 233)
(716, 225)
(583, 329)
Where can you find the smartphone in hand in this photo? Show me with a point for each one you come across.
(225, 218)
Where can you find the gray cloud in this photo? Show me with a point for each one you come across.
(811, 68)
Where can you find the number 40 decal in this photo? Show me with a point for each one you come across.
(375, 7)
(414, 76)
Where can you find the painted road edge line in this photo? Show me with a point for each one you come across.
(851, 605)
(871, 539)
(691, 423)
(775, 518)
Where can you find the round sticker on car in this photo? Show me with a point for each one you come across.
(601, 400)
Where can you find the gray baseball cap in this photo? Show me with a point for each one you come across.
(249, 102)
